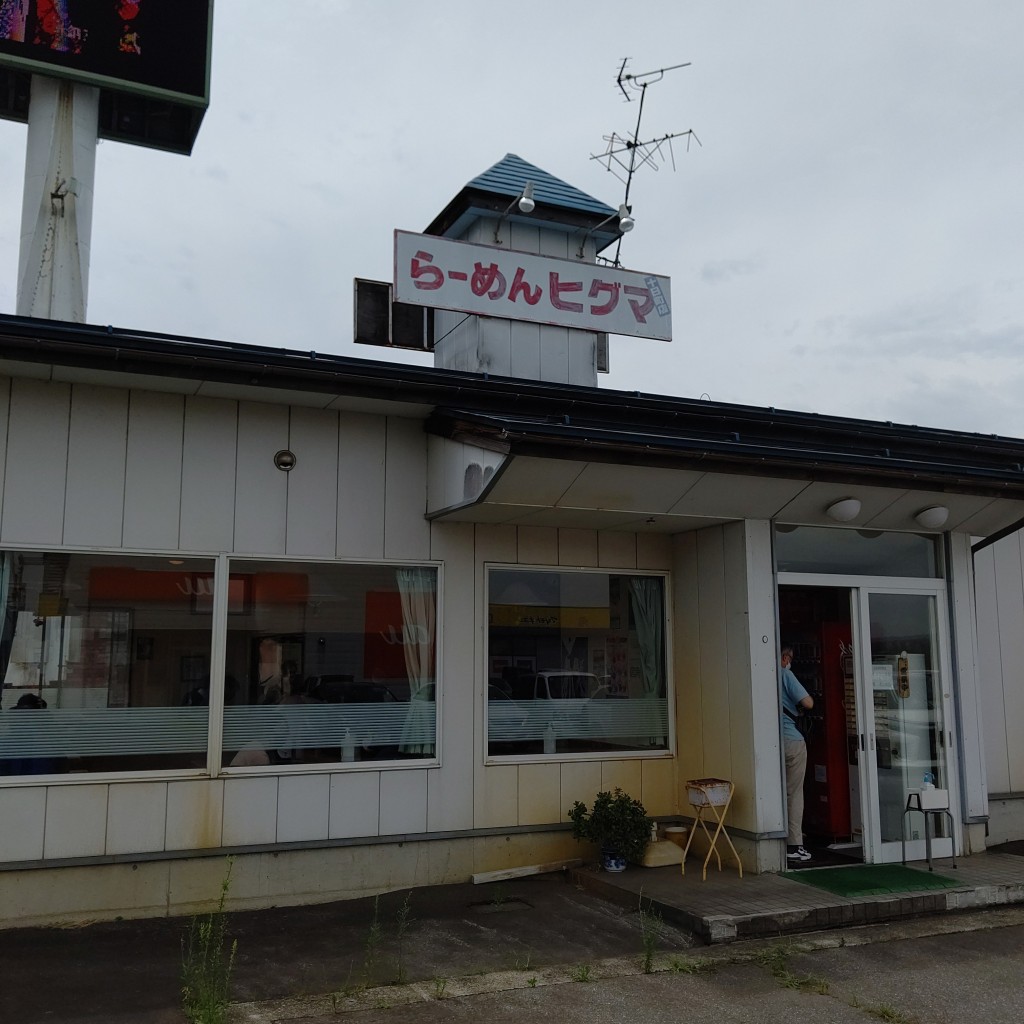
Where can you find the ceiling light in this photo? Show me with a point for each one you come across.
(932, 518)
(844, 510)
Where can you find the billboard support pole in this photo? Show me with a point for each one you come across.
(56, 213)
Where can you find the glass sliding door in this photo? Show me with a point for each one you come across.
(904, 718)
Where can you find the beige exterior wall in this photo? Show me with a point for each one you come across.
(86, 467)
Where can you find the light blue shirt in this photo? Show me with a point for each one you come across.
(792, 693)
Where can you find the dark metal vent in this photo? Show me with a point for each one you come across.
(379, 320)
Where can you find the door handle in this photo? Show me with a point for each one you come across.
(862, 744)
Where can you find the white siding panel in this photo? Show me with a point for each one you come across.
(1010, 595)
(624, 775)
(354, 805)
(714, 664)
(361, 485)
(250, 811)
(261, 489)
(960, 575)
(97, 442)
(616, 550)
(653, 551)
(686, 662)
(5, 409)
(526, 351)
(539, 794)
(76, 821)
(195, 815)
(27, 808)
(37, 457)
(450, 788)
(1010, 633)
(764, 679)
(577, 547)
(538, 545)
(990, 668)
(580, 780)
(403, 802)
(303, 806)
(496, 798)
(494, 346)
(152, 498)
(313, 483)
(406, 531)
(136, 817)
(582, 354)
(554, 354)
(208, 475)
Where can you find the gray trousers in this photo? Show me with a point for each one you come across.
(796, 768)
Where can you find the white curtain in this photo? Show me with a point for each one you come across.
(645, 595)
(418, 588)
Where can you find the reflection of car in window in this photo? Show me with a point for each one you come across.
(340, 689)
(550, 685)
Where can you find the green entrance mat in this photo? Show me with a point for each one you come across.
(871, 879)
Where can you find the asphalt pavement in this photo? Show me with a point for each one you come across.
(512, 950)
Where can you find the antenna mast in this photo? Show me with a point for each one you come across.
(625, 155)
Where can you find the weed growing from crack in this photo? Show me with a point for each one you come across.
(206, 963)
(440, 984)
(532, 982)
(775, 959)
(401, 927)
(523, 962)
(887, 1013)
(692, 965)
(649, 922)
(581, 973)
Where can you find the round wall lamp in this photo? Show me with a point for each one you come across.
(285, 460)
(844, 511)
(932, 518)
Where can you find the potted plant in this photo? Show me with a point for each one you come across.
(617, 824)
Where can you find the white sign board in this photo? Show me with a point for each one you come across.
(488, 281)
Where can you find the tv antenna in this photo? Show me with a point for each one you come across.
(624, 155)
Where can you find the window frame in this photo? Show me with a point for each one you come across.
(669, 750)
(231, 564)
(221, 564)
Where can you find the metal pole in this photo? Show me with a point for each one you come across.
(56, 213)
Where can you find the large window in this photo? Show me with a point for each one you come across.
(576, 663)
(329, 662)
(104, 661)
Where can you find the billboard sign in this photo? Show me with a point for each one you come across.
(159, 49)
(488, 281)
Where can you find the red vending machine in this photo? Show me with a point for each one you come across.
(827, 783)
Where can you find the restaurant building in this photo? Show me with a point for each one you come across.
(368, 625)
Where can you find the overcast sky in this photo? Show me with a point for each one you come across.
(847, 240)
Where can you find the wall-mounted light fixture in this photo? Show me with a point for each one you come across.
(624, 215)
(932, 518)
(524, 203)
(843, 511)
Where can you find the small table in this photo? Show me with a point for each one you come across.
(714, 795)
(927, 802)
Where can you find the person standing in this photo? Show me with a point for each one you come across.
(794, 700)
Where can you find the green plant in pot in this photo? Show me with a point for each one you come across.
(617, 824)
